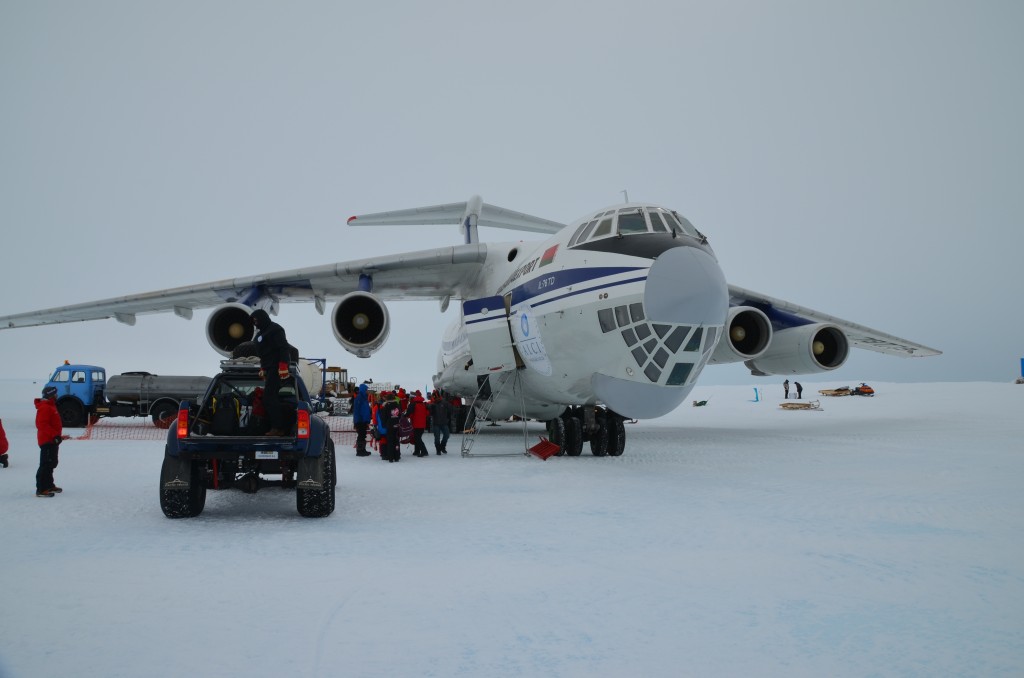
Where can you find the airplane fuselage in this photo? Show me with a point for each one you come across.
(624, 319)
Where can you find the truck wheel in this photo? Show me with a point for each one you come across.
(319, 503)
(187, 503)
(164, 415)
(72, 413)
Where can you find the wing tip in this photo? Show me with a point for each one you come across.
(351, 219)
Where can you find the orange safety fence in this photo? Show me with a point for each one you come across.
(140, 428)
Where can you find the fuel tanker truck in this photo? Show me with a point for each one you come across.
(84, 393)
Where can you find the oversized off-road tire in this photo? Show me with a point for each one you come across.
(186, 503)
(164, 414)
(320, 503)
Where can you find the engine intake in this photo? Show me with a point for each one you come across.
(808, 349)
(228, 326)
(748, 332)
(361, 323)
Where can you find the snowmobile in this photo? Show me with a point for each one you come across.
(862, 390)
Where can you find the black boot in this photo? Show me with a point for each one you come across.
(3, 460)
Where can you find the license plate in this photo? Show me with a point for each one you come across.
(266, 454)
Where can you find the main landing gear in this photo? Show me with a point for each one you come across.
(602, 427)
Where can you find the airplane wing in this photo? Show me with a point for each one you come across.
(426, 274)
(858, 335)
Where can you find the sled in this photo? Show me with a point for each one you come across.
(801, 405)
(843, 391)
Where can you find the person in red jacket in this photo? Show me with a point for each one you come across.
(49, 434)
(3, 447)
(417, 414)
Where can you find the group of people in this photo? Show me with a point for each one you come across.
(381, 415)
(796, 385)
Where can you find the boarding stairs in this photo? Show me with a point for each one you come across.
(480, 408)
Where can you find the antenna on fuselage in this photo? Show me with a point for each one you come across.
(625, 194)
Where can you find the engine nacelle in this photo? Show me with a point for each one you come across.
(807, 349)
(228, 326)
(748, 333)
(361, 323)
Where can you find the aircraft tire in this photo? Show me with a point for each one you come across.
(599, 437)
(556, 433)
(573, 436)
(616, 436)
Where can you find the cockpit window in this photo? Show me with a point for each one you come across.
(682, 224)
(582, 232)
(604, 228)
(658, 222)
(632, 222)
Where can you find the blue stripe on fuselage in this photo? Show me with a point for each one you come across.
(545, 284)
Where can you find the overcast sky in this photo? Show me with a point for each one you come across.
(863, 159)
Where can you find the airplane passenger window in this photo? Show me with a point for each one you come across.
(607, 319)
(604, 228)
(632, 222)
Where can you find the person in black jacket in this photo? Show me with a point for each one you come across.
(273, 349)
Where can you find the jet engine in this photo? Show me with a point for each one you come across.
(807, 349)
(228, 326)
(361, 323)
(748, 333)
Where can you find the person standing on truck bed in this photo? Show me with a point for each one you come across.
(273, 349)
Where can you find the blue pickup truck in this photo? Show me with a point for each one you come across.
(219, 442)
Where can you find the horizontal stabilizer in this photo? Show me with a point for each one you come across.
(453, 213)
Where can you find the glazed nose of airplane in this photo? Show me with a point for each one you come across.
(685, 285)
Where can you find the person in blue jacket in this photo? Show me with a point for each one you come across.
(361, 417)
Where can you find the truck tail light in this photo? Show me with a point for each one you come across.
(303, 426)
(182, 423)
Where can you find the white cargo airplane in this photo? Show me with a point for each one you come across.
(613, 316)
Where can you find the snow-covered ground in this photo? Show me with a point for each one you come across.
(880, 536)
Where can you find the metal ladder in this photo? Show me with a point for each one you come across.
(469, 436)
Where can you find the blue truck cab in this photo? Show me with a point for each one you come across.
(79, 388)
(220, 442)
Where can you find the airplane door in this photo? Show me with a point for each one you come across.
(490, 341)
